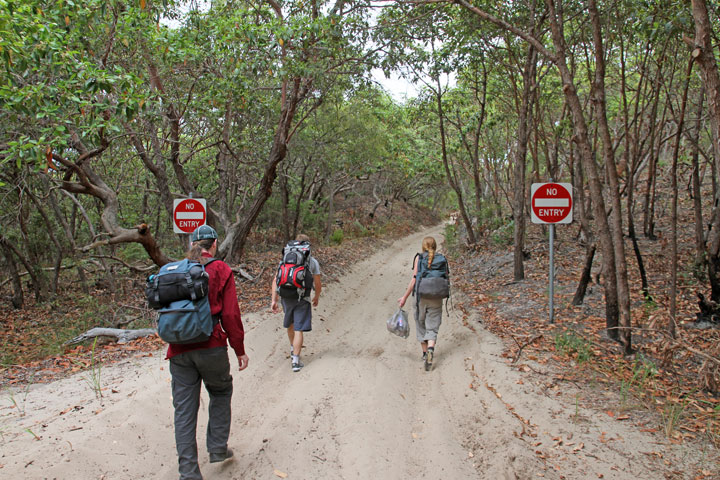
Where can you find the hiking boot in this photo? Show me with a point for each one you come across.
(221, 457)
(429, 360)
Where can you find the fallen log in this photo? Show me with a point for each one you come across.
(121, 335)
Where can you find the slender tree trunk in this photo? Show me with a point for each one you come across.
(631, 146)
(585, 229)
(520, 164)
(446, 163)
(673, 209)
(18, 298)
(10, 248)
(608, 154)
(585, 276)
(700, 259)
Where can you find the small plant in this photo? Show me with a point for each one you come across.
(93, 375)
(337, 237)
(624, 391)
(671, 415)
(32, 433)
(577, 408)
(19, 407)
(643, 371)
(571, 344)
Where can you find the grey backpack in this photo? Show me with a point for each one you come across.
(432, 281)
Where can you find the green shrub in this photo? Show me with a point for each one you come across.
(337, 237)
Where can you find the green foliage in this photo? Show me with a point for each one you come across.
(337, 237)
(359, 230)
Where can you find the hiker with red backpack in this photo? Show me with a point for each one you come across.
(430, 284)
(205, 361)
(298, 274)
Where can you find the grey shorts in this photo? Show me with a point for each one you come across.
(298, 313)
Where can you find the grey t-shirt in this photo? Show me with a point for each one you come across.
(314, 266)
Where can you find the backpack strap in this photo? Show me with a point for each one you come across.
(218, 316)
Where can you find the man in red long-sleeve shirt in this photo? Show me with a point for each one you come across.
(207, 362)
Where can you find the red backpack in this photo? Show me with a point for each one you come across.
(293, 278)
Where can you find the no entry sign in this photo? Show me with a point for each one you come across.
(188, 214)
(551, 203)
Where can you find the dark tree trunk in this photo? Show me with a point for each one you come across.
(585, 276)
(17, 298)
(700, 259)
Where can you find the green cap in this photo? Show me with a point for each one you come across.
(203, 232)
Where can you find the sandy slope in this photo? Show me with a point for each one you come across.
(363, 407)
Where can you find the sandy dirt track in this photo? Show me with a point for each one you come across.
(362, 408)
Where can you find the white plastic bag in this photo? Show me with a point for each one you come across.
(398, 324)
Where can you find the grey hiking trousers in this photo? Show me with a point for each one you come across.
(428, 317)
(211, 367)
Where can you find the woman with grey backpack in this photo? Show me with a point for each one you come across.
(430, 284)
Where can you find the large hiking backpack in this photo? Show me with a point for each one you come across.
(432, 281)
(179, 292)
(294, 279)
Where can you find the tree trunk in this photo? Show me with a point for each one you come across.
(704, 55)
(520, 164)
(700, 259)
(585, 276)
(618, 243)
(18, 298)
(9, 247)
(596, 189)
(673, 209)
(446, 163)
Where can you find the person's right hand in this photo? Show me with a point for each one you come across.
(401, 301)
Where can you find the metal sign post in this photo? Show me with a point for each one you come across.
(552, 272)
(551, 203)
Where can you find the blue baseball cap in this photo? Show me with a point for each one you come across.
(203, 232)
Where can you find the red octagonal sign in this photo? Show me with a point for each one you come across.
(188, 214)
(551, 203)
